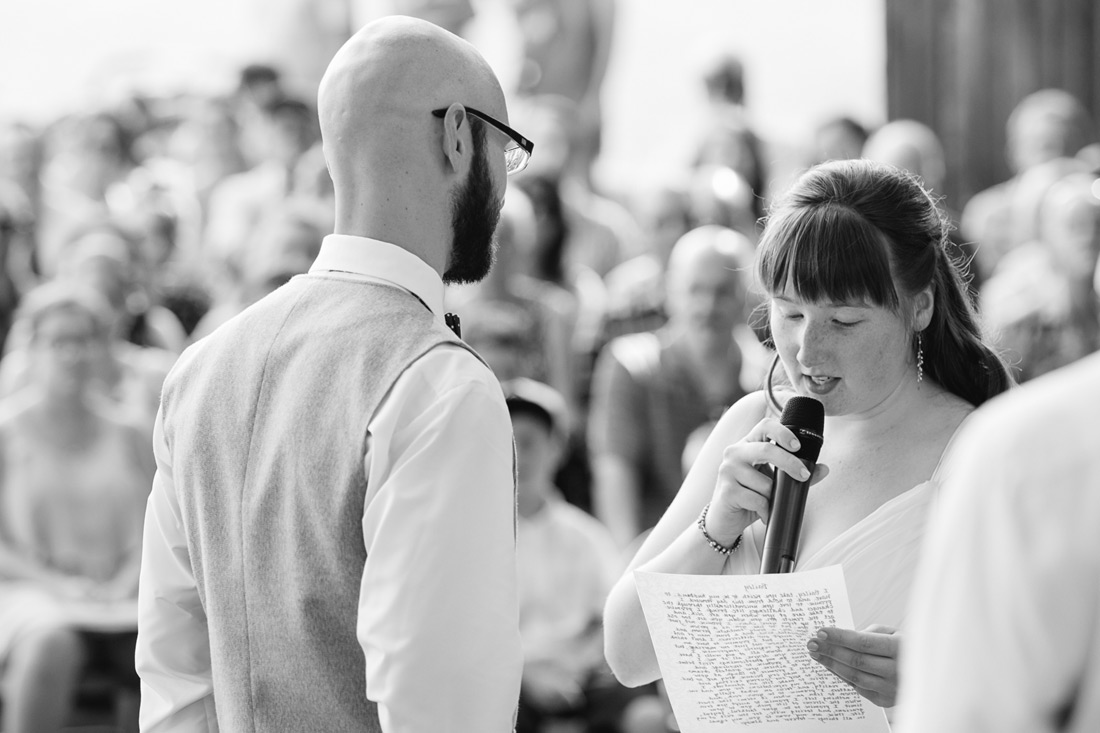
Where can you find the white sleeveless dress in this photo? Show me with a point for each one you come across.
(879, 555)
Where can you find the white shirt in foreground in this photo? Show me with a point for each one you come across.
(1005, 623)
(466, 652)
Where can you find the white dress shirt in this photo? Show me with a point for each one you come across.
(438, 629)
(1005, 623)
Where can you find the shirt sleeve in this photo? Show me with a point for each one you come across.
(438, 611)
(1004, 606)
(173, 648)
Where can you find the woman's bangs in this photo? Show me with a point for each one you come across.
(826, 254)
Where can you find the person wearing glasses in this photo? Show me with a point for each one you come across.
(329, 542)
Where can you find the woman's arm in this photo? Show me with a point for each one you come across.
(726, 475)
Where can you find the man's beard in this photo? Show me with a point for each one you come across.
(474, 217)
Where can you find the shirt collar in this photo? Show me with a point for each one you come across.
(380, 260)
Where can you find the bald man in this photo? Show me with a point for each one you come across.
(329, 542)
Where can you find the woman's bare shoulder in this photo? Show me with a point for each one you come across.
(946, 412)
(740, 418)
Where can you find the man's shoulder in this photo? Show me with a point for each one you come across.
(1055, 404)
(449, 363)
(447, 385)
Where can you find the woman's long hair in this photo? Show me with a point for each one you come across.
(856, 230)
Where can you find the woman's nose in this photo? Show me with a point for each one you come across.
(812, 345)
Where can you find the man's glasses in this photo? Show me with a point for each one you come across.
(516, 154)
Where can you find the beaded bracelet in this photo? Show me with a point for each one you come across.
(710, 540)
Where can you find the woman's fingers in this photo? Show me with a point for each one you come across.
(770, 430)
(746, 456)
(867, 660)
(744, 484)
(878, 641)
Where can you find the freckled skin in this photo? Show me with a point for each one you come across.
(870, 356)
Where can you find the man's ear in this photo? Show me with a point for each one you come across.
(457, 139)
(923, 307)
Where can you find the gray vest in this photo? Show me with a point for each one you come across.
(266, 421)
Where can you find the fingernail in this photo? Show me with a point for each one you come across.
(822, 635)
(794, 444)
(815, 655)
(812, 646)
(804, 474)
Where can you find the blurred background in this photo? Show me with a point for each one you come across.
(160, 171)
(804, 60)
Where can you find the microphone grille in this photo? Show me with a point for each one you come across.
(805, 416)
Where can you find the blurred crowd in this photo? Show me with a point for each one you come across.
(622, 323)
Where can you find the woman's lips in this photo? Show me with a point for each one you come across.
(820, 384)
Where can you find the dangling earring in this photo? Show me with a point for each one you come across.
(920, 359)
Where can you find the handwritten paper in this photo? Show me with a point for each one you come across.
(732, 652)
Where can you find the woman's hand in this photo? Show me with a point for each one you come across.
(744, 486)
(867, 660)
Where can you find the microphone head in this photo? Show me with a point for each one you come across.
(805, 417)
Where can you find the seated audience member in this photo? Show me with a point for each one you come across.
(15, 218)
(259, 85)
(838, 138)
(566, 46)
(1069, 232)
(284, 245)
(1004, 632)
(540, 311)
(1003, 232)
(600, 232)
(206, 145)
(723, 75)
(21, 149)
(1029, 190)
(1045, 125)
(87, 163)
(651, 390)
(74, 477)
(21, 152)
(239, 202)
(548, 262)
(311, 180)
(1040, 300)
(1026, 313)
(636, 288)
(720, 196)
(566, 562)
(731, 144)
(126, 373)
(105, 257)
(913, 146)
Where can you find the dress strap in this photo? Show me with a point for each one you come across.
(935, 480)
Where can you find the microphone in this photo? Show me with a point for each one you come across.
(805, 417)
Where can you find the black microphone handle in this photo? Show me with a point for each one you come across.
(784, 522)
